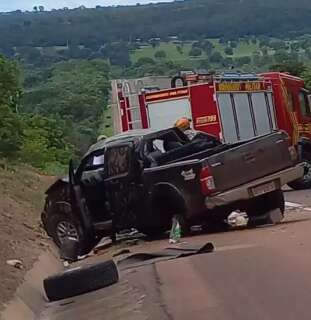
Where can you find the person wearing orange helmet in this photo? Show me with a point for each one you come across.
(184, 124)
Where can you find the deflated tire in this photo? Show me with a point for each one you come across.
(79, 280)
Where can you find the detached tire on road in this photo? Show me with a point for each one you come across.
(258, 212)
(76, 281)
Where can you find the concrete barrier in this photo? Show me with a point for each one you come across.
(29, 300)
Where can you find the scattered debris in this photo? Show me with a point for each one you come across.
(28, 226)
(91, 254)
(15, 263)
(121, 252)
(237, 219)
(69, 250)
(141, 259)
(175, 233)
(132, 242)
(104, 243)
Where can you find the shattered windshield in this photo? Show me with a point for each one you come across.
(118, 160)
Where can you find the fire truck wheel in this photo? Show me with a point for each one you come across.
(305, 181)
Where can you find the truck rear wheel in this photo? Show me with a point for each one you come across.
(262, 208)
(305, 181)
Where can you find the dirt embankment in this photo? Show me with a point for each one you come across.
(21, 200)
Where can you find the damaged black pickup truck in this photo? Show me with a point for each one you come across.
(140, 179)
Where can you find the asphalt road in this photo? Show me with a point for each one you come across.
(262, 274)
(302, 197)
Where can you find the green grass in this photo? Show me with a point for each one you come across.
(169, 48)
(243, 49)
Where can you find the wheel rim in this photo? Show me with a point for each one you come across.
(307, 175)
(65, 230)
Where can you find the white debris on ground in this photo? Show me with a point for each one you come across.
(293, 205)
(237, 219)
(15, 263)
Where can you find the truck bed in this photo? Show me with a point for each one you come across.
(235, 164)
(251, 160)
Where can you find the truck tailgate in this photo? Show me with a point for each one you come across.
(250, 160)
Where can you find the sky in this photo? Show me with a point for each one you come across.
(11, 5)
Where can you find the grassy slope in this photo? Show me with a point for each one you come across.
(21, 201)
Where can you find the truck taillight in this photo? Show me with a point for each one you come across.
(207, 181)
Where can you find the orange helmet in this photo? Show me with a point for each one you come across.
(182, 124)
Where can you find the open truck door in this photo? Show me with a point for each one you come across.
(80, 209)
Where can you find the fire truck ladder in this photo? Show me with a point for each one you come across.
(132, 108)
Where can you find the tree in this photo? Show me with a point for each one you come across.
(243, 61)
(10, 124)
(278, 45)
(228, 62)
(30, 54)
(35, 9)
(308, 53)
(256, 58)
(307, 77)
(118, 53)
(44, 142)
(74, 93)
(205, 64)
(161, 54)
(294, 67)
(144, 60)
(208, 47)
(179, 49)
(229, 51)
(216, 57)
(295, 46)
(233, 44)
(10, 132)
(41, 8)
(195, 52)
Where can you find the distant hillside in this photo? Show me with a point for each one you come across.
(189, 19)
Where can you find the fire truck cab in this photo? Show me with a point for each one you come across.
(232, 106)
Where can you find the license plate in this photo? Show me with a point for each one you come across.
(263, 189)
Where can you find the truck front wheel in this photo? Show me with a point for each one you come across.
(63, 226)
(262, 209)
(305, 181)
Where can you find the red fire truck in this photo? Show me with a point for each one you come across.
(232, 106)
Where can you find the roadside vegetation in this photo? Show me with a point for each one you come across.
(52, 114)
(54, 92)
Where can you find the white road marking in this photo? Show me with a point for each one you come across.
(293, 205)
(296, 205)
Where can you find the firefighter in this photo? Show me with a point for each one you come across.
(183, 124)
